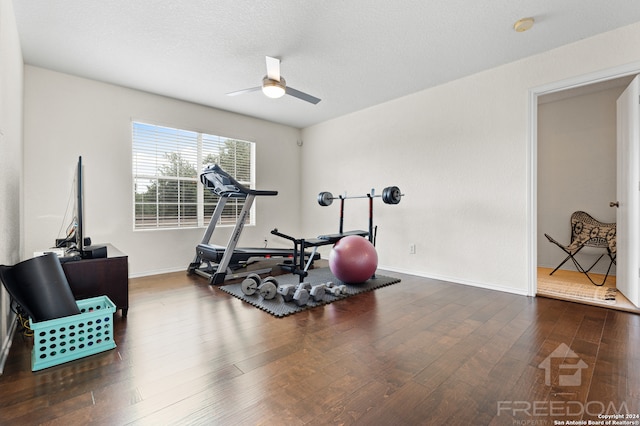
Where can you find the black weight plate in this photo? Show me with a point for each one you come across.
(391, 195)
(325, 198)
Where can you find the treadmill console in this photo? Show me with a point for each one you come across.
(222, 184)
(219, 182)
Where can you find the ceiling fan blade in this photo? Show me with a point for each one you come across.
(240, 92)
(301, 95)
(273, 68)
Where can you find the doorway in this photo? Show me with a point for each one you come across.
(573, 167)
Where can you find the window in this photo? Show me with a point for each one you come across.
(166, 167)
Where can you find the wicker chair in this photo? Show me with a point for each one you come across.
(588, 232)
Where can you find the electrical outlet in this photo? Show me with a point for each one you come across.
(412, 249)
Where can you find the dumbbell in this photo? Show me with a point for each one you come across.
(336, 290)
(390, 195)
(292, 293)
(287, 292)
(267, 288)
(302, 294)
(317, 292)
(250, 284)
(299, 294)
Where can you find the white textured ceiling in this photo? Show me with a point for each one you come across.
(350, 53)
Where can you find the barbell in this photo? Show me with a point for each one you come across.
(390, 195)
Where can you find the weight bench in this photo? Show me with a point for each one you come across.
(390, 195)
(588, 232)
(298, 267)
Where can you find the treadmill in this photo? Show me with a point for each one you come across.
(218, 263)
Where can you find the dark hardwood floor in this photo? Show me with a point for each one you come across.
(418, 352)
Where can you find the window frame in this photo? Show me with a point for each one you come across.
(204, 204)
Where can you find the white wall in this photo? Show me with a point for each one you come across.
(66, 116)
(11, 82)
(576, 169)
(460, 152)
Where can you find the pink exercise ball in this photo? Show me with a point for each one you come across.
(353, 259)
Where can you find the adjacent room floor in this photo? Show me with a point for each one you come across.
(576, 280)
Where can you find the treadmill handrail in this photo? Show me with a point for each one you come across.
(223, 184)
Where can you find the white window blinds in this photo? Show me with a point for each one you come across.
(166, 167)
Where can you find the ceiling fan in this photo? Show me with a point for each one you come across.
(275, 86)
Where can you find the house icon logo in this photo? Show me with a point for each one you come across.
(562, 354)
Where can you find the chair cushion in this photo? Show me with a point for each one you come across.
(589, 232)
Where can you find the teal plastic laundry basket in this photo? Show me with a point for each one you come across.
(76, 336)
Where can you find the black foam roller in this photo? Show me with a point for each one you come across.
(40, 287)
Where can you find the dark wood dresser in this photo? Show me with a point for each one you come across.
(101, 277)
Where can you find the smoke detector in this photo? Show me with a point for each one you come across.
(523, 24)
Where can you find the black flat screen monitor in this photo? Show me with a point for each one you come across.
(79, 232)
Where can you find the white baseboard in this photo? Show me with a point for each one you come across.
(157, 272)
(453, 280)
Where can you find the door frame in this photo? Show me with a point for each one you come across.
(532, 152)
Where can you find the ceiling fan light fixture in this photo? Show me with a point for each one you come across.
(273, 88)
